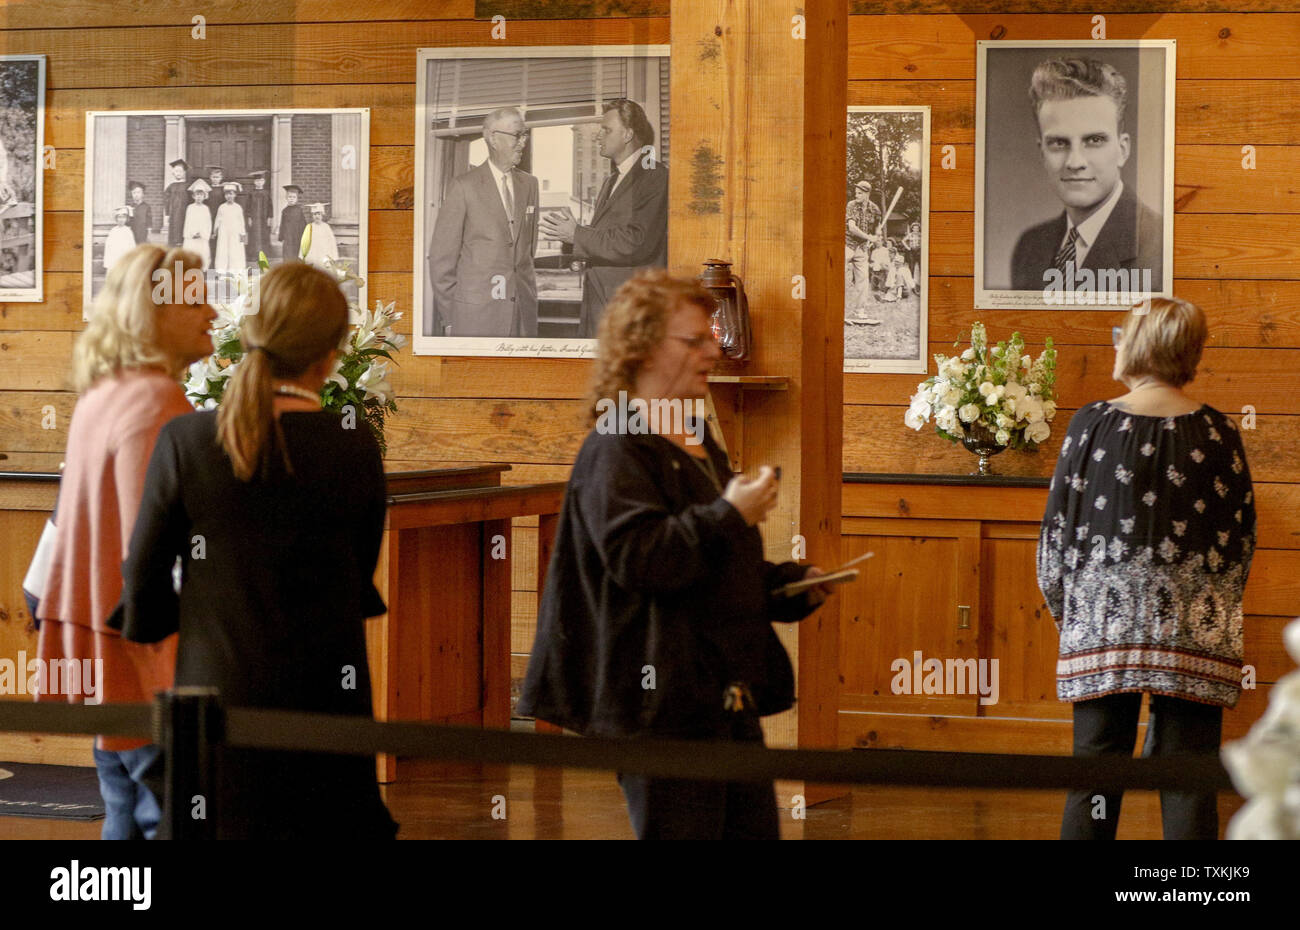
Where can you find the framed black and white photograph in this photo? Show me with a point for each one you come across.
(886, 239)
(541, 185)
(1074, 173)
(228, 185)
(22, 144)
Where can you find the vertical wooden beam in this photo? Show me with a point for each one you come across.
(757, 177)
(825, 89)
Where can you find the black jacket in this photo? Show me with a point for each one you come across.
(654, 574)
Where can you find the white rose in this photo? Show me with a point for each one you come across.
(1037, 432)
(969, 413)
(946, 420)
(1003, 437)
(968, 354)
(953, 397)
(988, 390)
(1005, 422)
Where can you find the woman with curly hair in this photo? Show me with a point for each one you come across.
(656, 616)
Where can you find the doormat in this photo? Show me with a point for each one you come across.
(52, 792)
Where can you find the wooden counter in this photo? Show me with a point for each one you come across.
(441, 653)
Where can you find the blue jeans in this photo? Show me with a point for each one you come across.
(131, 811)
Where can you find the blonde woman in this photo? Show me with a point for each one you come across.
(1143, 556)
(126, 366)
(289, 501)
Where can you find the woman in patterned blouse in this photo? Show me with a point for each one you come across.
(1142, 558)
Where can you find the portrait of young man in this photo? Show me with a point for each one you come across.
(1093, 232)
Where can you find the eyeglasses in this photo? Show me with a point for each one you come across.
(516, 137)
(694, 342)
(1116, 333)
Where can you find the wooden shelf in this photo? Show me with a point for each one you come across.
(753, 382)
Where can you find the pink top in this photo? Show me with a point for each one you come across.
(114, 427)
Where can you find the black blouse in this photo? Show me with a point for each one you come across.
(1144, 552)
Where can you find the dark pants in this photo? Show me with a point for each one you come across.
(128, 784)
(678, 809)
(1108, 726)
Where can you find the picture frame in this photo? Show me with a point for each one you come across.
(886, 286)
(322, 153)
(534, 284)
(22, 178)
(1091, 222)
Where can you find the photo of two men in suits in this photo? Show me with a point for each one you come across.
(482, 254)
(1098, 136)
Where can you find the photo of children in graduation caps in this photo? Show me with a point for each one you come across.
(267, 178)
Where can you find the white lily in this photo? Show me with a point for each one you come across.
(374, 382)
(336, 374)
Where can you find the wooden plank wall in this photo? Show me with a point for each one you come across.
(1237, 85)
(311, 53)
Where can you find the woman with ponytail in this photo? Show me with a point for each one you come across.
(275, 509)
(126, 365)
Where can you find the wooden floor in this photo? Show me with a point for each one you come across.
(458, 802)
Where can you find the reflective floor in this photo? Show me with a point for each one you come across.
(518, 802)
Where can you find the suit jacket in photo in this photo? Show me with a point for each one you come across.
(1129, 240)
(471, 245)
(292, 224)
(176, 198)
(628, 232)
(257, 215)
(140, 222)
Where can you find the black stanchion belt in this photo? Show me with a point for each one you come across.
(697, 759)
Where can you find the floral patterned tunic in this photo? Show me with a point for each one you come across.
(1143, 554)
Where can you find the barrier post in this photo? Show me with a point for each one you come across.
(189, 721)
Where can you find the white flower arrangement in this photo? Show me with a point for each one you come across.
(360, 376)
(998, 389)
